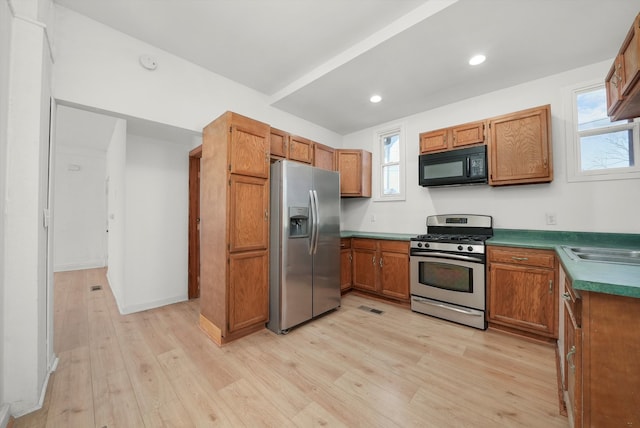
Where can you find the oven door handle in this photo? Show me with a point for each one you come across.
(447, 307)
(450, 256)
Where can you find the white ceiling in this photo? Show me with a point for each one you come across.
(322, 59)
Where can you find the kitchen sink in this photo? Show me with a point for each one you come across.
(603, 255)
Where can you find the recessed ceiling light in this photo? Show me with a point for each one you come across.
(375, 99)
(477, 59)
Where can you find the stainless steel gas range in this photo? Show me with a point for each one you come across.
(448, 268)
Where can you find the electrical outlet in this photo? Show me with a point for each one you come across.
(551, 218)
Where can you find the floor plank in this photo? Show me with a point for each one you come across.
(349, 368)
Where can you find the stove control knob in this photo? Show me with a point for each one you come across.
(470, 248)
(459, 247)
(426, 245)
(419, 244)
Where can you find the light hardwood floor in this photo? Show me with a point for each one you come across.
(351, 368)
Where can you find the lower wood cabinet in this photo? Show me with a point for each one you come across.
(521, 291)
(346, 264)
(381, 267)
(600, 356)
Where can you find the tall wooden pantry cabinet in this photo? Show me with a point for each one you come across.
(234, 216)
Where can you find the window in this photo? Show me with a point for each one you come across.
(599, 149)
(390, 158)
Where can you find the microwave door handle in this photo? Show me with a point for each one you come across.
(468, 166)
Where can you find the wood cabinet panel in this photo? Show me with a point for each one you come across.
(248, 213)
(355, 173)
(324, 157)
(300, 149)
(458, 136)
(573, 364)
(279, 143)
(434, 141)
(249, 151)
(521, 291)
(381, 267)
(519, 149)
(467, 134)
(248, 289)
(346, 264)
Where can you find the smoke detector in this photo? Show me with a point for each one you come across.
(148, 62)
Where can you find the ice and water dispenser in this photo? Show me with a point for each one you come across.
(298, 222)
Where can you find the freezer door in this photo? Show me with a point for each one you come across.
(326, 258)
(296, 282)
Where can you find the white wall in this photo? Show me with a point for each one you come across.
(156, 218)
(26, 361)
(5, 43)
(606, 206)
(116, 160)
(80, 209)
(100, 69)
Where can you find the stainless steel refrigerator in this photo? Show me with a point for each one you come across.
(304, 271)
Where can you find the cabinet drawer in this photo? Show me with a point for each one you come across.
(345, 243)
(395, 246)
(573, 302)
(520, 256)
(367, 244)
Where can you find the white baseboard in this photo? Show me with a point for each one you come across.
(4, 415)
(43, 392)
(89, 264)
(151, 305)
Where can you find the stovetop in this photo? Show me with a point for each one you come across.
(454, 233)
(444, 237)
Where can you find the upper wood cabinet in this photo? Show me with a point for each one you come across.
(324, 157)
(234, 227)
(355, 173)
(452, 138)
(300, 149)
(519, 147)
(279, 143)
(622, 81)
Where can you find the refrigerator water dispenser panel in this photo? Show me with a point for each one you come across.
(298, 222)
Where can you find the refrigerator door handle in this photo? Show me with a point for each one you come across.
(316, 222)
(312, 238)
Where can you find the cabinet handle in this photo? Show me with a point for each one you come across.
(266, 215)
(616, 79)
(550, 286)
(571, 353)
(566, 296)
(350, 258)
(380, 261)
(373, 260)
(520, 259)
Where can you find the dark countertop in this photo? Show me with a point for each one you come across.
(609, 278)
(377, 235)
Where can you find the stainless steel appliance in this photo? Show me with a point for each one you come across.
(304, 276)
(448, 268)
(453, 168)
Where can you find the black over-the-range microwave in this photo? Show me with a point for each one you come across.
(454, 168)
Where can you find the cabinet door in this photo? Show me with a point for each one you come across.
(613, 84)
(279, 143)
(434, 141)
(520, 148)
(364, 269)
(467, 134)
(248, 289)
(300, 149)
(355, 173)
(249, 151)
(324, 157)
(573, 365)
(630, 52)
(345, 269)
(248, 213)
(394, 275)
(522, 297)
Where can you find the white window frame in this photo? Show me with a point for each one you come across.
(378, 159)
(574, 169)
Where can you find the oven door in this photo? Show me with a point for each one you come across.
(449, 278)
